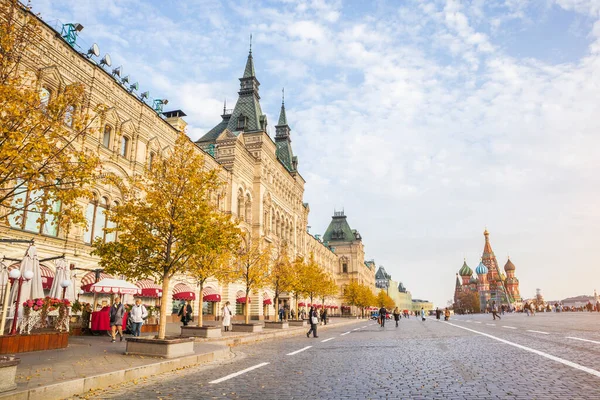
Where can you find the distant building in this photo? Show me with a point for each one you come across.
(395, 290)
(426, 305)
(488, 281)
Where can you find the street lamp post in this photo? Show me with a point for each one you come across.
(15, 275)
(65, 284)
(80, 293)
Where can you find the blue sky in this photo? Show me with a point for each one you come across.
(425, 121)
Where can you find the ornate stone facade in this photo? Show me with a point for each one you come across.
(264, 187)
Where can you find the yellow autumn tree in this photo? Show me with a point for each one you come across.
(351, 293)
(365, 298)
(251, 268)
(297, 283)
(166, 212)
(384, 300)
(327, 288)
(281, 277)
(211, 257)
(44, 165)
(310, 277)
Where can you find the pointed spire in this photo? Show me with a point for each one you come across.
(225, 106)
(282, 117)
(249, 70)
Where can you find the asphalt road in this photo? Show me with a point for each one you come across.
(549, 356)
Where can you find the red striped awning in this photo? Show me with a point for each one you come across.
(90, 278)
(267, 299)
(210, 295)
(149, 288)
(47, 277)
(301, 304)
(181, 291)
(241, 298)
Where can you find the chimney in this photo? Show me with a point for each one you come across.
(174, 118)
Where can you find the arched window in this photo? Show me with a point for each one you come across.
(44, 98)
(97, 221)
(29, 213)
(248, 206)
(70, 110)
(240, 206)
(124, 146)
(106, 136)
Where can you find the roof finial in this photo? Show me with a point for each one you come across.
(282, 96)
(250, 43)
(225, 106)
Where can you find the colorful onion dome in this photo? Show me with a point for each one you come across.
(509, 266)
(473, 280)
(465, 270)
(481, 269)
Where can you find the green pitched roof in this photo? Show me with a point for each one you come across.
(214, 133)
(249, 70)
(282, 117)
(339, 230)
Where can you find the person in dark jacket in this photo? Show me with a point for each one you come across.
(396, 315)
(116, 319)
(324, 317)
(382, 315)
(313, 319)
(185, 313)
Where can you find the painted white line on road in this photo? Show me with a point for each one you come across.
(543, 333)
(491, 324)
(345, 333)
(327, 340)
(238, 373)
(355, 329)
(298, 351)
(508, 327)
(364, 326)
(477, 322)
(583, 340)
(539, 353)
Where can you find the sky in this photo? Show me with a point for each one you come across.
(425, 121)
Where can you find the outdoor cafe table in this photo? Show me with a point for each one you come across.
(101, 319)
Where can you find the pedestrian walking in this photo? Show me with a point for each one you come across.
(396, 314)
(382, 314)
(116, 319)
(446, 314)
(422, 314)
(227, 316)
(495, 311)
(438, 313)
(314, 321)
(185, 313)
(324, 317)
(138, 315)
(281, 313)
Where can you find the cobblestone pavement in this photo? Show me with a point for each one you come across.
(517, 358)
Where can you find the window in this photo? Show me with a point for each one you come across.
(44, 98)
(151, 160)
(70, 110)
(345, 268)
(241, 122)
(106, 136)
(97, 222)
(30, 215)
(239, 309)
(124, 146)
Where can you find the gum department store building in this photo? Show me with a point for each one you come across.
(264, 188)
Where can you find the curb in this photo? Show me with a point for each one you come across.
(81, 386)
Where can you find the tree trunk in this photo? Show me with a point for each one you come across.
(201, 301)
(246, 304)
(297, 309)
(276, 307)
(162, 327)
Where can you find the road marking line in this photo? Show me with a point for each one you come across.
(345, 333)
(508, 327)
(491, 324)
(540, 353)
(477, 322)
(238, 373)
(298, 351)
(583, 340)
(543, 333)
(364, 326)
(327, 340)
(355, 329)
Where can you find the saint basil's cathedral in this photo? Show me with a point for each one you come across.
(490, 283)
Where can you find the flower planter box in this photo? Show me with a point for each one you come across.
(165, 348)
(8, 372)
(12, 344)
(201, 331)
(149, 328)
(246, 328)
(298, 323)
(277, 325)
